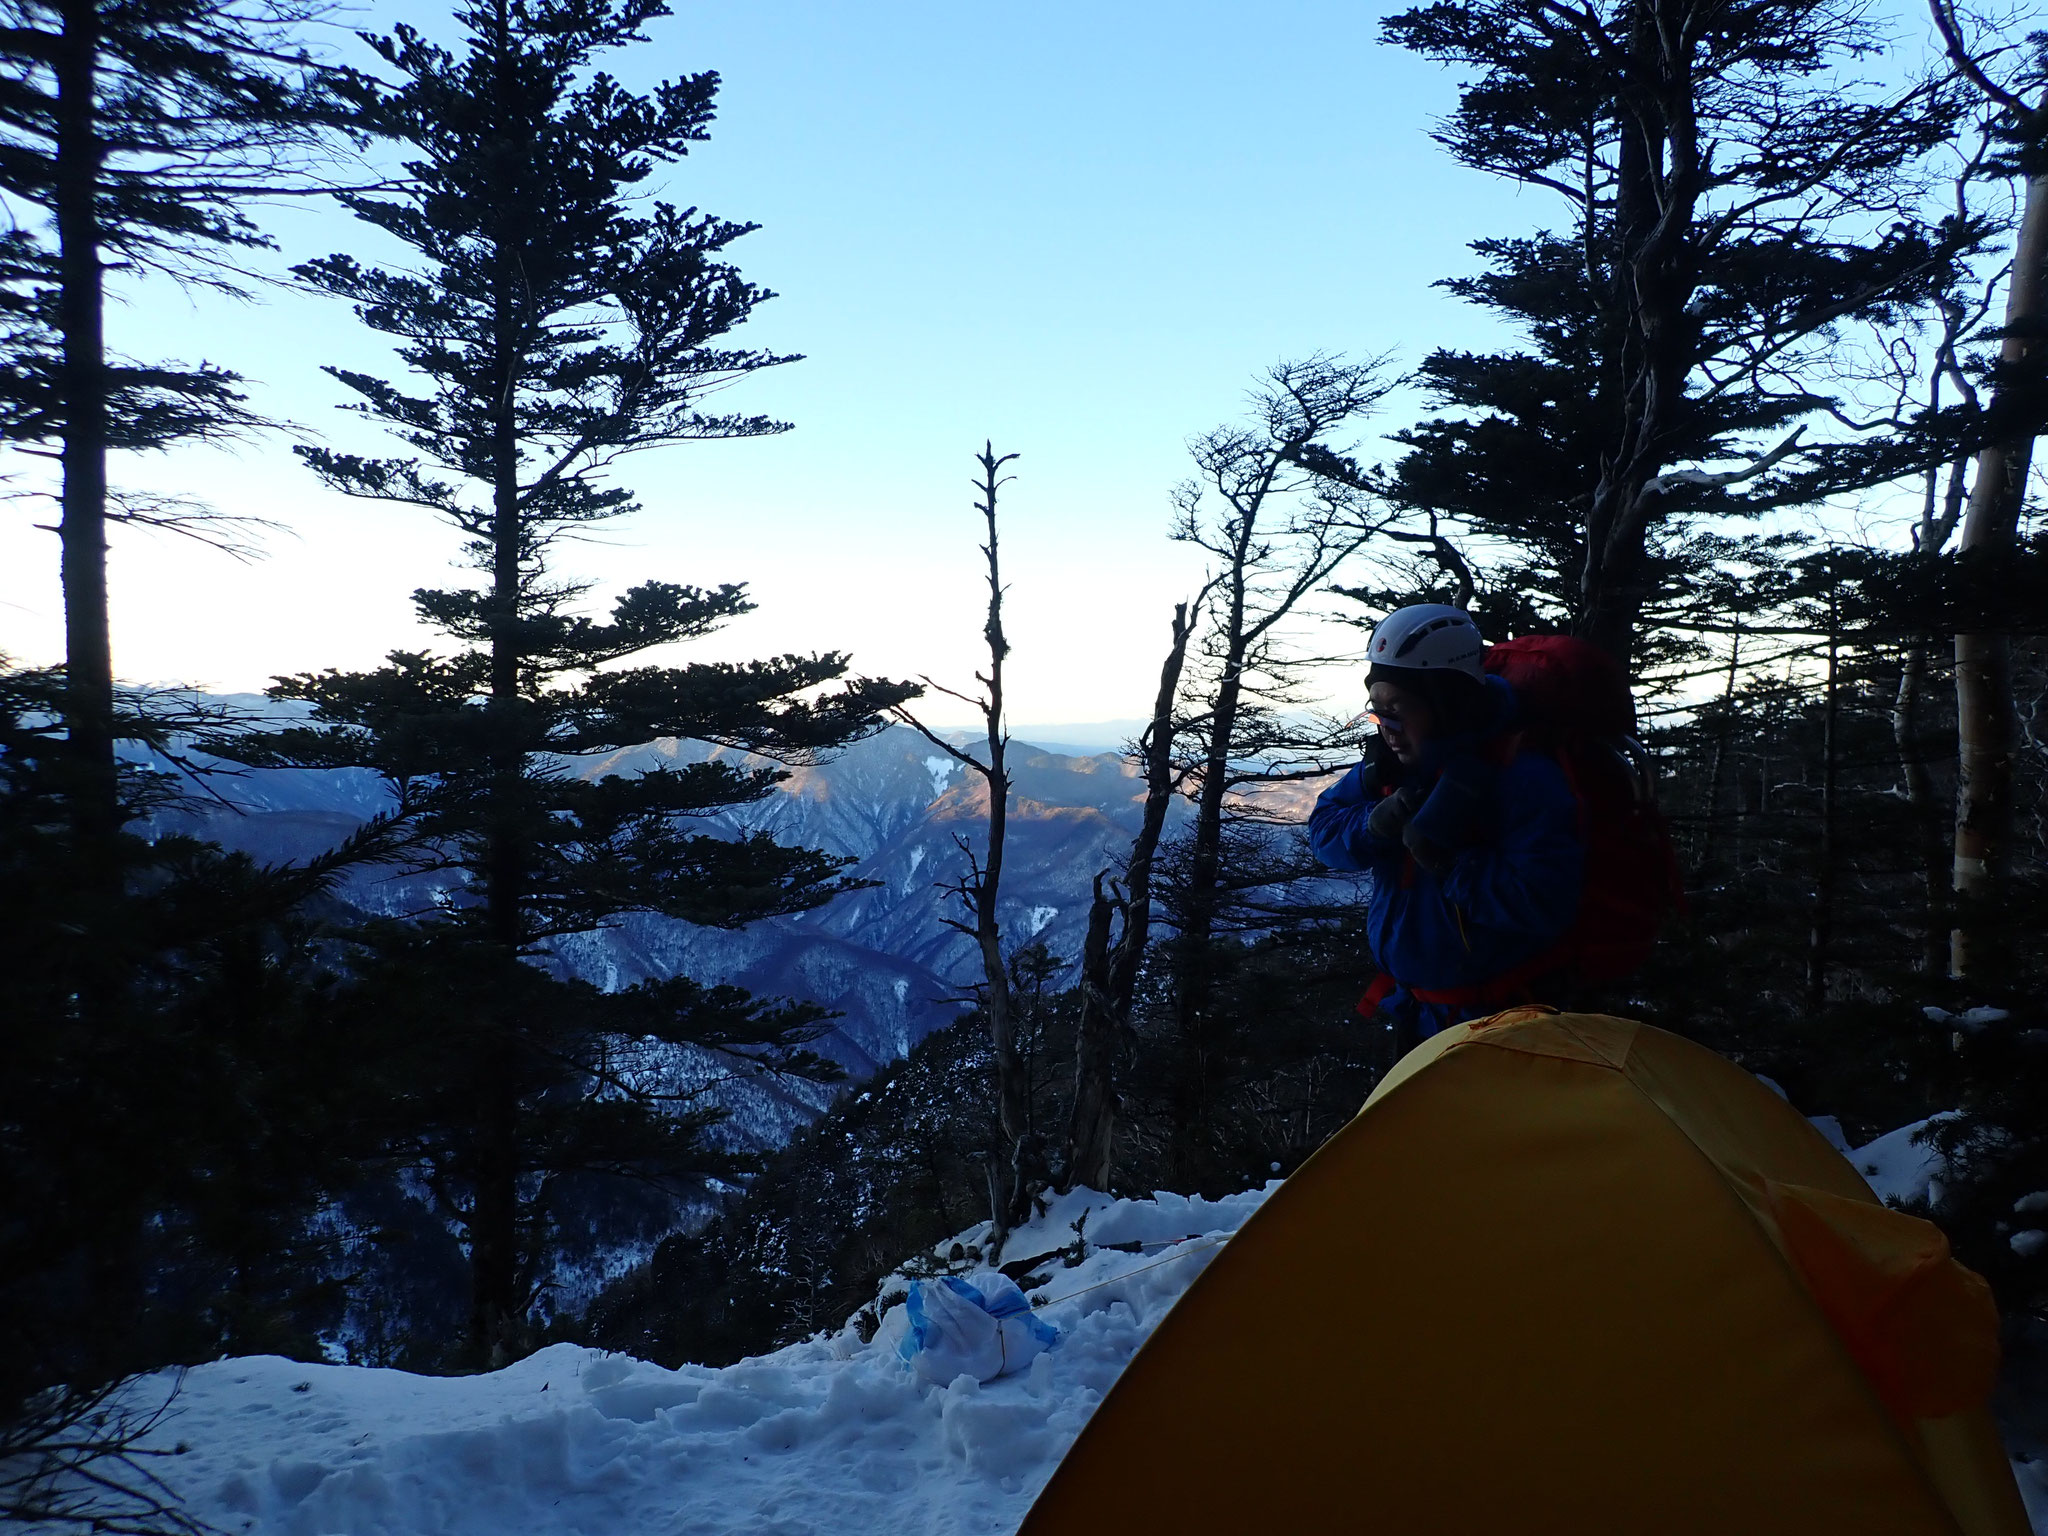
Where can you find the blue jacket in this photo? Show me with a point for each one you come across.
(1512, 891)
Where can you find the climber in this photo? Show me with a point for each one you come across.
(1469, 836)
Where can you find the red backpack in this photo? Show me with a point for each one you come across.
(1575, 705)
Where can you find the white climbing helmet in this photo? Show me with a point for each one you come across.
(1428, 637)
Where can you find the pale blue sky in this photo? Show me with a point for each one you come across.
(1077, 229)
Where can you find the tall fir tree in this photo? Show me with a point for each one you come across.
(181, 1081)
(175, 1096)
(140, 132)
(558, 322)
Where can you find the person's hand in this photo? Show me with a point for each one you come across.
(1392, 813)
(1383, 769)
(1427, 851)
(1459, 807)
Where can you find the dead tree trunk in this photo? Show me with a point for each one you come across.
(1109, 973)
(1909, 736)
(1016, 1170)
(1091, 1128)
(1277, 511)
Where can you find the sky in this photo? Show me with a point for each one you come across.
(1076, 230)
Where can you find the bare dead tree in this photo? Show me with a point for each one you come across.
(1986, 731)
(85, 1458)
(1109, 970)
(1018, 1171)
(1277, 510)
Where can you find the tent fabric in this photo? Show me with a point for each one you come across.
(1563, 1273)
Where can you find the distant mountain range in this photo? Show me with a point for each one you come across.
(882, 957)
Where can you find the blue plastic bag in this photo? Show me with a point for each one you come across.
(985, 1329)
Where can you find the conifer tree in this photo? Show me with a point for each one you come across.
(140, 132)
(1733, 198)
(161, 998)
(180, 1085)
(552, 322)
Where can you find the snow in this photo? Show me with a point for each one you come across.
(1899, 1168)
(835, 1436)
(828, 1436)
(1969, 1021)
(1831, 1128)
(941, 769)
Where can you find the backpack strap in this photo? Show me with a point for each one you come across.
(1381, 989)
(1511, 986)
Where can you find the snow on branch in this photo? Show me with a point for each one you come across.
(1714, 479)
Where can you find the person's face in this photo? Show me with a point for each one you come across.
(1404, 717)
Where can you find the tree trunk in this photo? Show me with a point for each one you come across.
(81, 306)
(1658, 182)
(1822, 938)
(498, 1314)
(1091, 1129)
(1707, 835)
(1109, 976)
(1014, 1188)
(1985, 729)
(1910, 739)
(1194, 944)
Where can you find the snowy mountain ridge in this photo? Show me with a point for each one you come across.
(882, 956)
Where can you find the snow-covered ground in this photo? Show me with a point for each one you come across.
(832, 1437)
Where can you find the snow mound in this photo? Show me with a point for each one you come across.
(1900, 1167)
(835, 1435)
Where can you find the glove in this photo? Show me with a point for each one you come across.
(1391, 815)
(1379, 773)
(1382, 766)
(1460, 807)
(1427, 852)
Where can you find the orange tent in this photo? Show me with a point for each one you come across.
(1563, 1273)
